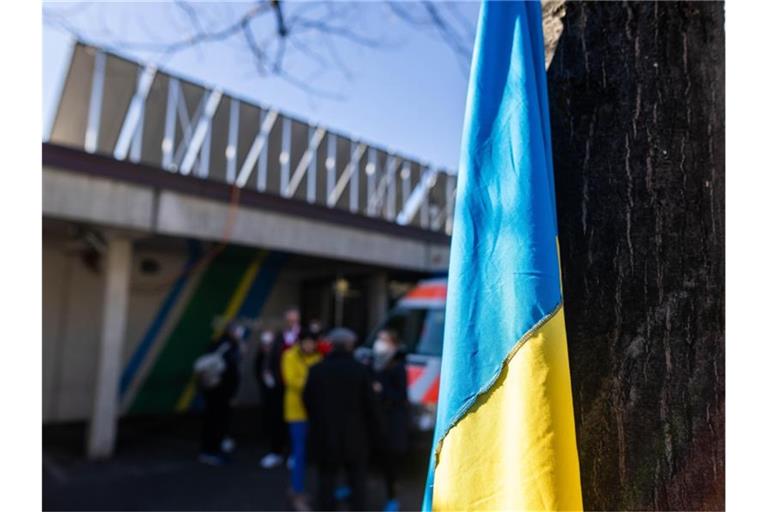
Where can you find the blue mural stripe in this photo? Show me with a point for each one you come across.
(257, 296)
(138, 356)
(263, 284)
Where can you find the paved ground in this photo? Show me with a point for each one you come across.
(155, 468)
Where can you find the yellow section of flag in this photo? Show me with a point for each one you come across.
(516, 447)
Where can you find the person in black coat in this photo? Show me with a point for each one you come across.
(343, 418)
(218, 397)
(390, 383)
(269, 376)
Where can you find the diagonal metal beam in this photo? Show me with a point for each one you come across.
(383, 187)
(134, 114)
(417, 198)
(256, 148)
(187, 126)
(352, 168)
(309, 156)
(200, 131)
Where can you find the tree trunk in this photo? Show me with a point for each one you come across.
(638, 130)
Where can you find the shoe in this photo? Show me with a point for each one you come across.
(271, 460)
(228, 445)
(299, 502)
(289, 463)
(342, 492)
(392, 506)
(210, 459)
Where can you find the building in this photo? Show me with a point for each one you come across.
(170, 207)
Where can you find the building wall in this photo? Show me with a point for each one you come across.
(172, 316)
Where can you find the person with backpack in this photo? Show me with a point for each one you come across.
(296, 363)
(218, 376)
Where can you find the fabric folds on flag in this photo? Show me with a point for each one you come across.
(505, 437)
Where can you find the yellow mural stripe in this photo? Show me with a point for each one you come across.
(232, 308)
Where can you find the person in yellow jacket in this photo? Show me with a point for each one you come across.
(295, 366)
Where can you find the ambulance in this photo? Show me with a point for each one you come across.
(418, 319)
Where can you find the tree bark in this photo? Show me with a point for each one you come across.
(638, 131)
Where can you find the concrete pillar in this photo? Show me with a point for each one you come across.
(377, 298)
(103, 421)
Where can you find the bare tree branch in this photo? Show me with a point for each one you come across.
(294, 31)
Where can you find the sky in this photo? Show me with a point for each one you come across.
(356, 68)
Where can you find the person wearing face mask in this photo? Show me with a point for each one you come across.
(296, 363)
(291, 329)
(270, 379)
(390, 383)
(218, 388)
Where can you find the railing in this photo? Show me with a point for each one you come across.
(118, 107)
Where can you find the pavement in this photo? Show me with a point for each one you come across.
(155, 467)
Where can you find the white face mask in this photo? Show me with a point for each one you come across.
(383, 352)
(382, 347)
(267, 338)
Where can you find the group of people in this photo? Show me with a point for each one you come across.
(321, 401)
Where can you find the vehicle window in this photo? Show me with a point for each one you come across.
(407, 323)
(420, 330)
(431, 342)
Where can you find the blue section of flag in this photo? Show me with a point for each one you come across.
(503, 275)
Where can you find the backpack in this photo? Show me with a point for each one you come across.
(210, 367)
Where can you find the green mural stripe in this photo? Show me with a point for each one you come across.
(192, 333)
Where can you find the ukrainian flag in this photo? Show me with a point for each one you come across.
(505, 436)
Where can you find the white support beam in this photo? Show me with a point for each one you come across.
(187, 126)
(169, 134)
(203, 162)
(424, 211)
(263, 163)
(130, 132)
(383, 193)
(330, 164)
(417, 199)
(309, 156)
(285, 155)
(356, 152)
(103, 421)
(176, 108)
(348, 175)
(370, 180)
(231, 151)
(136, 142)
(259, 143)
(450, 202)
(312, 175)
(391, 187)
(202, 126)
(96, 101)
(405, 177)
